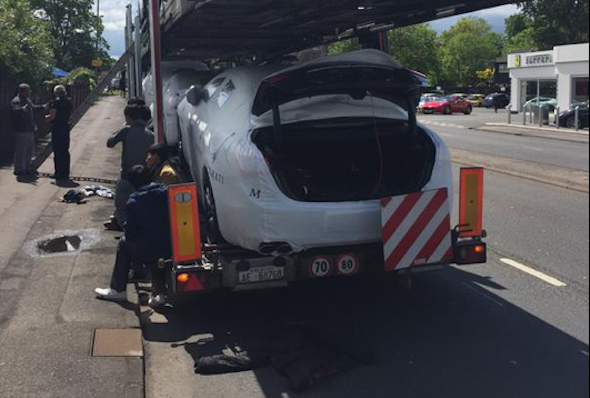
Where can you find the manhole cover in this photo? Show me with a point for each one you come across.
(117, 343)
(63, 244)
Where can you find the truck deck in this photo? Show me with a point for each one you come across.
(229, 29)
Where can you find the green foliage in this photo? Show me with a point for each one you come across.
(342, 47)
(74, 29)
(416, 47)
(25, 48)
(523, 41)
(557, 22)
(466, 48)
(77, 75)
(486, 77)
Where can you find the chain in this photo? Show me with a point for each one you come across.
(83, 179)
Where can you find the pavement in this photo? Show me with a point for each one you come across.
(48, 313)
(545, 129)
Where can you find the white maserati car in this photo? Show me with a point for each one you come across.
(178, 77)
(294, 159)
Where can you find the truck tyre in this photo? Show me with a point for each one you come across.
(212, 230)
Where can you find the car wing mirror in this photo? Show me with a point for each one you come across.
(195, 95)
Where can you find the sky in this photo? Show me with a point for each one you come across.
(113, 12)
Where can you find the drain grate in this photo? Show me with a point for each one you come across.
(62, 244)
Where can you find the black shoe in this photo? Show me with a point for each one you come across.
(66, 183)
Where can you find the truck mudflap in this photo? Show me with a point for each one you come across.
(417, 234)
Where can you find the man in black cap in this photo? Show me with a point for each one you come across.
(24, 128)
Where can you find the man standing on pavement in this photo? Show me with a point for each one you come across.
(24, 128)
(59, 116)
(136, 139)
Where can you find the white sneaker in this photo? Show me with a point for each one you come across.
(110, 295)
(157, 301)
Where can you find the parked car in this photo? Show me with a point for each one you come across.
(550, 103)
(446, 105)
(502, 98)
(568, 118)
(244, 133)
(462, 95)
(477, 100)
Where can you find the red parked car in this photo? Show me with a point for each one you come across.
(446, 105)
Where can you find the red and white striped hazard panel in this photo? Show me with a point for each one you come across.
(416, 229)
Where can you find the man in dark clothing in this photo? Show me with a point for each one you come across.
(123, 85)
(136, 139)
(24, 128)
(147, 237)
(59, 116)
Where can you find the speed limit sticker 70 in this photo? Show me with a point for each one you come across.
(320, 267)
(348, 264)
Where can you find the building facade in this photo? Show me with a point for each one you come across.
(560, 75)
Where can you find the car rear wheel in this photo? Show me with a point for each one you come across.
(570, 123)
(448, 111)
(469, 110)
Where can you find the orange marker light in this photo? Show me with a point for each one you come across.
(480, 249)
(183, 278)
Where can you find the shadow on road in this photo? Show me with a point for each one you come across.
(442, 339)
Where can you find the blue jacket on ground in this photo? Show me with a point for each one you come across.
(148, 224)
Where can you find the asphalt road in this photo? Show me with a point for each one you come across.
(490, 331)
(460, 131)
(517, 327)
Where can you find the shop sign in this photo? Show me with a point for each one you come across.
(539, 59)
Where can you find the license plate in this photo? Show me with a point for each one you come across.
(262, 274)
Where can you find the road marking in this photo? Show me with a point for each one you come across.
(493, 300)
(537, 274)
(532, 148)
(586, 353)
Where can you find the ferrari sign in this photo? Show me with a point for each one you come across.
(97, 63)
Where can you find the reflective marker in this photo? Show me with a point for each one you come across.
(471, 202)
(184, 222)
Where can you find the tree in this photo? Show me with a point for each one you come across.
(416, 47)
(74, 29)
(468, 47)
(25, 45)
(486, 76)
(344, 46)
(520, 34)
(557, 22)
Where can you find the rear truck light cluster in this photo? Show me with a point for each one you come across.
(470, 252)
(192, 282)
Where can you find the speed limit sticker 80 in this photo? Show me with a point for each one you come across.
(320, 267)
(348, 264)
